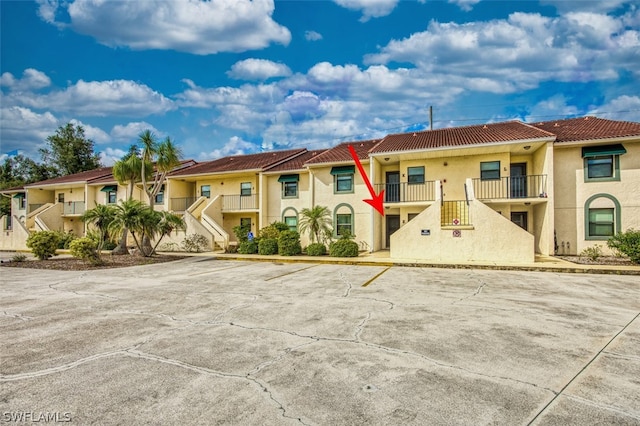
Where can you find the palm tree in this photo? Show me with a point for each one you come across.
(167, 223)
(166, 156)
(317, 221)
(101, 216)
(129, 214)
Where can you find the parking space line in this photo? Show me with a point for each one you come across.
(582, 370)
(292, 272)
(376, 276)
(209, 271)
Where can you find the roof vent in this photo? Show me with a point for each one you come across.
(556, 125)
(485, 127)
(586, 118)
(414, 134)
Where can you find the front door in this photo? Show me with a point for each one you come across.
(518, 180)
(393, 224)
(520, 219)
(392, 189)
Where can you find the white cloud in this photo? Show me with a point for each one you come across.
(623, 107)
(503, 56)
(312, 36)
(24, 129)
(555, 106)
(110, 155)
(234, 146)
(32, 79)
(258, 69)
(194, 26)
(98, 98)
(465, 5)
(131, 131)
(96, 134)
(602, 6)
(370, 8)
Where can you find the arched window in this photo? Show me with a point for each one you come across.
(343, 220)
(601, 217)
(290, 217)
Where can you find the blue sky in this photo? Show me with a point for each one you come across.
(224, 77)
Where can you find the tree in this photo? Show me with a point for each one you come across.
(69, 151)
(317, 221)
(101, 216)
(166, 157)
(17, 171)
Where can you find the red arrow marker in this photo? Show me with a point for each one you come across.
(376, 201)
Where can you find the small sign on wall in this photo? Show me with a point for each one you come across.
(457, 233)
(426, 232)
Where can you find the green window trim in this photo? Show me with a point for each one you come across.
(109, 188)
(617, 215)
(290, 189)
(245, 189)
(20, 195)
(594, 160)
(490, 170)
(335, 218)
(289, 178)
(343, 170)
(291, 222)
(597, 151)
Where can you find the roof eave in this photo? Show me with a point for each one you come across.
(456, 147)
(596, 141)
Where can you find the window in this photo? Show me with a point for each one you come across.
(22, 204)
(490, 170)
(343, 178)
(289, 185)
(343, 224)
(291, 222)
(112, 197)
(205, 191)
(602, 163)
(245, 222)
(160, 196)
(415, 174)
(61, 197)
(601, 222)
(245, 188)
(412, 216)
(600, 167)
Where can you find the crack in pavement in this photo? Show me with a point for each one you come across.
(360, 327)
(16, 316)
(52, 286)
(349, 284)
(601, 406)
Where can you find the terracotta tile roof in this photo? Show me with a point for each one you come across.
(81, 177)
(235, 163)
(588, 128)
(340, 153)
(460, 136)
(296, 163)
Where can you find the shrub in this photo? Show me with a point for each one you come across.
(194, 243)
(241, 233)
(43, 244)
(268, 246)
(344, 247)
(593, 252)
(86, 249)
(289, 243)
(171, 246)
(19, 257)
(64, 239)
(248, 247)
(273, 230)
(316, 249)
(627, 243)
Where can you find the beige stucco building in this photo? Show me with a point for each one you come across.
(495, 192)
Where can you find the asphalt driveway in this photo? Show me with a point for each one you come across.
(204, 341)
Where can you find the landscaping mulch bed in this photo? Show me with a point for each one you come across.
(602, 260)
(74, 264)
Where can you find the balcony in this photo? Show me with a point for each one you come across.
(511, 187)
(181, 204)
(73, 208)
(239, 202)
(404, 192)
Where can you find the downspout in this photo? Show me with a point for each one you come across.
(372, 214)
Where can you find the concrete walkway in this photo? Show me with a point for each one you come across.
(215, 341)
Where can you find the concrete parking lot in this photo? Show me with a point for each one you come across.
(205, 341)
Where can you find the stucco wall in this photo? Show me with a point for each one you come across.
(492, 239)
(16, 238)
(572, 192)
(276, 205)
(52, 218)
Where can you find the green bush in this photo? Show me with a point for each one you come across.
(248, 247)
(43, 244)
(64, 239)
(344, 247)
(268, 246)
(18, 257)
(316, 249)
(627, 243)
(273, 230)
(593, 252)
(241, 233)
(289, 243)
(86, 249)
(194, 243)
